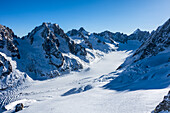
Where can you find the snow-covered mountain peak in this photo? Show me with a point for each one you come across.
(46, 31)
(8, 44)
(53, 52)
(80, 33)
(139, 35)
(82, 30)
(137, 31)
(147, 68)
(50, 26)
(157, 42)
(7, 33)
(47, 51)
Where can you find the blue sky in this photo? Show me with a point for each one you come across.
(94, 15)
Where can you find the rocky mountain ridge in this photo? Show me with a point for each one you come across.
(47, 51)
(158, 42)
(147, 68)
(8, 44)
(119, 37)
(50, 45)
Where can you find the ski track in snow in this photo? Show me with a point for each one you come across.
(49, 94)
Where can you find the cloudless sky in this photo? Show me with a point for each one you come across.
(94, 15)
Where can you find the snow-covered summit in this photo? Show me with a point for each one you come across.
(8, 44)
(10, 76)
(47, 52)
(91, 40)
(158, 41)
(110, 37)
(139, 35)
(83, 31)
(137, 31)
(149, 64)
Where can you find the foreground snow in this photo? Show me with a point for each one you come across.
(83, 92)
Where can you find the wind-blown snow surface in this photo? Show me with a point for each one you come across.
(83, 92)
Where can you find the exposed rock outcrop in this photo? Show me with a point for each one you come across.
(10, 76)
(45, 52)
(19, 107)
(8, 44)
(149, 63)
(157, 42)
(164, 105)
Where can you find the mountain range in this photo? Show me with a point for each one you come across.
(48, 52)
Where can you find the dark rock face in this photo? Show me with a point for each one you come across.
(5, 67)
(74, 32)
(74, 48)
(123, 38)
(149, 63)
(73, 64)
(106, 37)
(54, 33)
(8, 42)
(81, 33)
(82, 29)
(19, 107)
(77, 49)
(92, 41)
(9, 75)
(51, 49)
(139, 35)
(157, 42)
(111, 37)
(50, 43)
(44, 51)
(164, 105)
(120, 37)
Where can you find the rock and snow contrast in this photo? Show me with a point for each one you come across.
(149, 64)
(47, 52)
(10, 75)
(164, 106)
(51, 71)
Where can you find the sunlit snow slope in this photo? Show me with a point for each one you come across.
(119, 74)
(83, 92)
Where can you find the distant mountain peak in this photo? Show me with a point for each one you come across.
(137, 31)
(157, 42)
(81, 29)
(80, 32)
